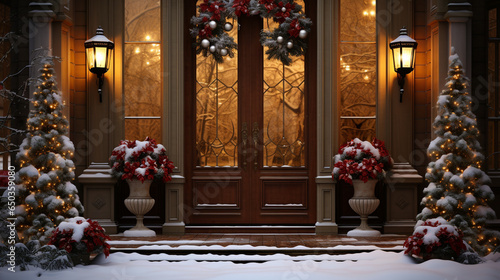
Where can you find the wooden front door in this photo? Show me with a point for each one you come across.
(250, 133)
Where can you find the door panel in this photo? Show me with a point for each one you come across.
(247, 154)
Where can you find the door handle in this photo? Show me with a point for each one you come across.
(244, 138)
(255, 132)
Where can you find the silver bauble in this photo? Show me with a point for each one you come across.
(228, 26)
(212, 49)
(223, 52)
(205, 43)
(302, 34)
(279, 39)
(289, 45)
(212, 24)
(283, 9)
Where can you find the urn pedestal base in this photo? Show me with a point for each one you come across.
(364, 203)
(139, 203)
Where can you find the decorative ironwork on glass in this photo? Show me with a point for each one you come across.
(217, 111)
(284, 112)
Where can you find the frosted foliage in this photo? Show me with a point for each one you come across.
(458, 189)
(46, 165)
(28, 171)
(78, 229)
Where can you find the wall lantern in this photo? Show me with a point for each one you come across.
(98, 50)
(403, 54)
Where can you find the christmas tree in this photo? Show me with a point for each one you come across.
(458, 189)
(45, 195)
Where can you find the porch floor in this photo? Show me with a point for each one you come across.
(258, 243)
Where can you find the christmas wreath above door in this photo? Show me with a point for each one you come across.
(211, 25)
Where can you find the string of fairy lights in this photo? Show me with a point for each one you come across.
(47, 152)
(453, 154)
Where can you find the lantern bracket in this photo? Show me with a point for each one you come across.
(100, 82)
(401, 83)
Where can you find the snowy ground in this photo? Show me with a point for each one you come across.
(373, 265)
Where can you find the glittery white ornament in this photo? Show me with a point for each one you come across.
(228, 26)
(205, 43)
(279, 39)
(289, 45)
(223, 52)
(212, 24)
(283, 9)
(212, 49)
(302, 34)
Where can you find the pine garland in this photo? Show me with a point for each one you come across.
(211, 25)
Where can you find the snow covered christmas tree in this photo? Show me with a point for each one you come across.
(458, 189)
(46, 195)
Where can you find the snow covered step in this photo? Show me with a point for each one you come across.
(251, 250)
(237, 258)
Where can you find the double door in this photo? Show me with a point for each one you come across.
(250, 131)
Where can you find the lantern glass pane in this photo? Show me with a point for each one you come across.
(407, 57)
(90, 57)
(100, 57)
(397, 58)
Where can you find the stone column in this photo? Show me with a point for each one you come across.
(402, 204)
(173, 112)
(41, 16)
(459, 16)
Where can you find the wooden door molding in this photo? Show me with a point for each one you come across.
(250, 194)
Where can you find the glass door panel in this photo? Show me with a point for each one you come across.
(284, 110)
(217, 110)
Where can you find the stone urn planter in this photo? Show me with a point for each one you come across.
(364, 203)
(139, 202)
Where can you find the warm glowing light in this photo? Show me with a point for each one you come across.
(148, 37)
(137, 50)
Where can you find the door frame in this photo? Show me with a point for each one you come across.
(232, 173)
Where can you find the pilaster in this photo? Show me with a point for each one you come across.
(459, 16)
(174, 206)
(99, 195)
(325, 222)
(402, 204)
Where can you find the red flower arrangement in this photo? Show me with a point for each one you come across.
(241, 7)
(216, 8)
(361, 160)
(142, 160)
(435, 239)
(80, 236)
